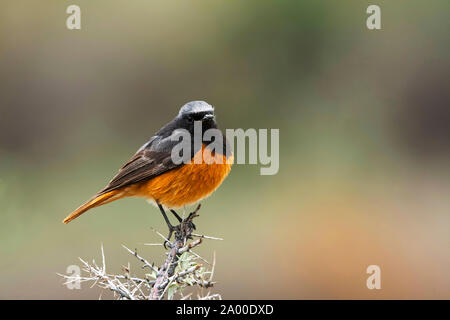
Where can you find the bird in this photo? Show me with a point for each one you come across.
(152, 173)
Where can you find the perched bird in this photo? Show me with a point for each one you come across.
(151, 173)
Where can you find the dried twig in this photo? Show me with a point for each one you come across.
(182, 233)
(179, 271)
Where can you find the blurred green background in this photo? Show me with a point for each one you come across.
(364, 153)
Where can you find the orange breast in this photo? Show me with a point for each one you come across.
(188, 183)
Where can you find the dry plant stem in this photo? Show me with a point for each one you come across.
(166, 273)
(146, 263)
(180, 270)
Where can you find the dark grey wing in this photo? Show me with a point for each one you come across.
(151, 160)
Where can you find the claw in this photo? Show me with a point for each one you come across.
(167, 242)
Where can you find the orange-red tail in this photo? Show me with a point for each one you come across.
(95, 202)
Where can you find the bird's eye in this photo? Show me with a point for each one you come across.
(195, 117)
(198, 116)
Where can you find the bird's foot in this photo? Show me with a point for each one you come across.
(167, 242)
(183, 230)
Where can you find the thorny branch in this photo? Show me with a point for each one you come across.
(181, 270)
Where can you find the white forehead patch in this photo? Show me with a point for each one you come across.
(196, 106)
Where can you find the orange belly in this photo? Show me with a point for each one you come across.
(188, 183)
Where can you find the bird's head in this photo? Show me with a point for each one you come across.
(198, 111)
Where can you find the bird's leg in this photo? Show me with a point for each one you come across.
(176, 215)
(180, 220)
(185, 227)
(169, 225)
